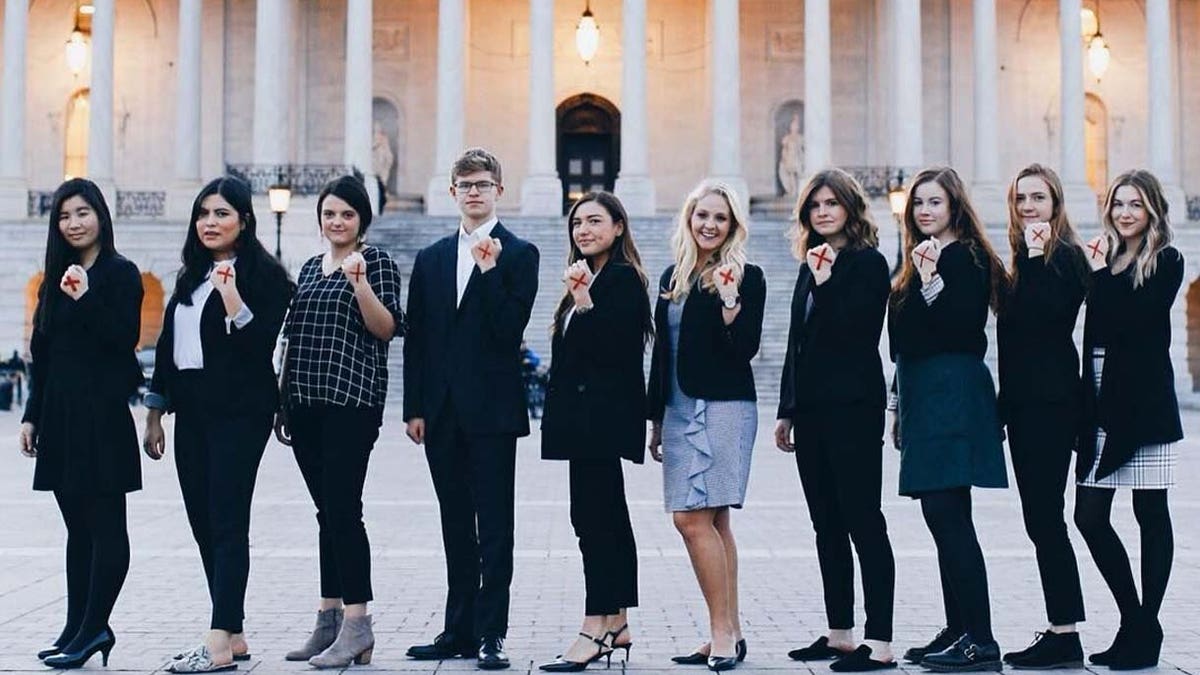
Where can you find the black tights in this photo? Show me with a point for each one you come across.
(1093, 511)
(960, 561)
(97, 560)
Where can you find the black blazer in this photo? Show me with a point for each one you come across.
(238, 361)
(596, 399)
(1137, 404)
(713, 359)
(833, 355)
(1038, 362)
(957, 319)
(470, 354)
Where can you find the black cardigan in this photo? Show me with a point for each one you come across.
(238, 361)
(713, 359)
(1038, 362)
(833, 355)
(955, 322)
(1136, 405)
(596, 399)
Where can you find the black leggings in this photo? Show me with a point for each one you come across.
(960, 561)
(1093, 511)
(97, 561)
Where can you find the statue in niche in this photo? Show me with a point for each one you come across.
(791, 157)
(382, 160)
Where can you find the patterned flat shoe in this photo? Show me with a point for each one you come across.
(199, 660)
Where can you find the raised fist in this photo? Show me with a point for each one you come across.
(925, 258)
(1096, 251)
(224, 278)
(578, 279)
(74, 282)
(355, 269)
(820, 260)
(1036, 237)
(727, 277)
(486, 252)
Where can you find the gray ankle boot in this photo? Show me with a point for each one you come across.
(355, 642)
(329, 622)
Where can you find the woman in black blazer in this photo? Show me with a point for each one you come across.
(1040, 396)
(77, 421)
(708, 325)
(832, 395)
(1131, 416)
(213, 368)
(595, 413)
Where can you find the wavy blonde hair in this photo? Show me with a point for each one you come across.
(860, 229)
(1061, 231)
(1158, 233)
(733, 250)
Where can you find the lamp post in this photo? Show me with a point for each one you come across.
(897, 200)
(280, 196)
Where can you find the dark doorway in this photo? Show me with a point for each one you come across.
(589, 145)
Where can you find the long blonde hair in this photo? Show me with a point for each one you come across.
(860, 229)
(1158, 233)
(733, 250)
(1061, 231)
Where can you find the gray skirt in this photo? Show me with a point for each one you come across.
(706, 452)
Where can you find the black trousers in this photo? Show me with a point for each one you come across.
(97, 561)
(217, 457)
(600, 516)
(960, 561)
(474, 477)
(332, 445)
(840, 459)
(1042, 442)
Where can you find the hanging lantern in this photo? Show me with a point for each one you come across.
(77, 52)
(587, 35)
(1098, 56)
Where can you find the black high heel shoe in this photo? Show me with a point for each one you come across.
(611, 638)
(49, 651)
(561, 665)
(103, 643)
(741, 650)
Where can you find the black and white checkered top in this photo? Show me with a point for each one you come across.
(332, 358)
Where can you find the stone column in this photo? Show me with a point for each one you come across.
(634, 186)
(987, 190)
(13, 186)
(188, 140)
(541, 193)
(908, 150)
(272, 35)
(725, 66)
(818, 91)
(1079, 197)
(100, 102)
(451, 65)
(1164, 128)
(359, 129)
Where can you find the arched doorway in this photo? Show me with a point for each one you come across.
(589, 145)
(152, 310)
(1193, 333)
(1095, 143)
(76, 147)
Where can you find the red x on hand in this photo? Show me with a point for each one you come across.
(357, 273)
(727, 276)
(73, 283)
(821, 259)
(1095, 248)
(577, 282)
(224, 273)
(486, 251)
(1039, 235)
(925, 257)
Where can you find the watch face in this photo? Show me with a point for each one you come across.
(730, 303)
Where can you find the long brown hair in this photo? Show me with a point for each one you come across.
(966, 226)
(1061, 231)
(624, 251)
(860, 229)
(1158, 233)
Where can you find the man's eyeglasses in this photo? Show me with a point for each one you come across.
(484, 186)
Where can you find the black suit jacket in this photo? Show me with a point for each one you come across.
(1137, 404)
(713, 359)
(833, 355)
(237, 362)
(470, 354)
(596, 400)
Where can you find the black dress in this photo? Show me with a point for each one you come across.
(84, 371)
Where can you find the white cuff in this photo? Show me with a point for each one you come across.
(243, 317)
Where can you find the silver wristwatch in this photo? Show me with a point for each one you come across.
(730, 303)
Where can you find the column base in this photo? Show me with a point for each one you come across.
(991, 202)
(636, 194)
(1081, 203)
(739, 187)
(541, 196)
(438, 201)
(14, 199)
(180, 197)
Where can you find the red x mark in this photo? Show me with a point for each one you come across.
(578, 281)
(1038, 234)
(727, 276)
(821, 259)
(224, 273)
(357, 273)
(925, 257)
(1095, 247)
(485, 252)
(73, 283)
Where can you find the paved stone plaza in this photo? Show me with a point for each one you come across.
(164, 606)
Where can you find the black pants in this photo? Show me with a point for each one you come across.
(332, 445)
(474, 476)
(600, 517)
(1093, 514)
(217, 457)
(1042, 443)
(960, 561)
(97, 561)
(839, 456)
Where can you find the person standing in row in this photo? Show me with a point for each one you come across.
(1040, 397)
(1131, 414)
(708, 323)
(832, 394)
(213, 368)
(348, 296)
(77, 421)
(949, 433)
(469, 301)
(595, 414)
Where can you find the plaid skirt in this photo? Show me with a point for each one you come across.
(1152, 467)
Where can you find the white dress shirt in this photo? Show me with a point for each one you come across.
(466, 262)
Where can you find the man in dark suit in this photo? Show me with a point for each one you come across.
(469, 302)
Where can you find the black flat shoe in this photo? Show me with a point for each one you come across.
(719, 663)
(817, 651)
(103, 643)
(491, 654)
(943, 639)
(444, 646)
(1048, 651)
(965, 655)
(1107, 656)
(860, 661)
(1142, 651)
(561, 665)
